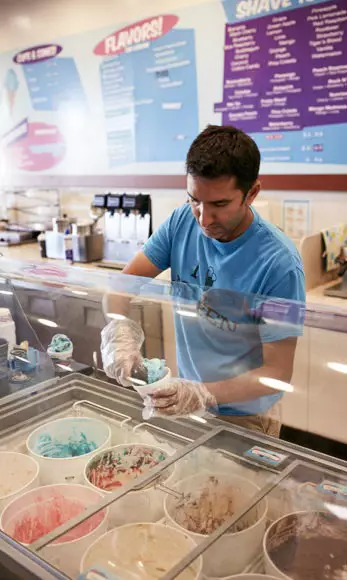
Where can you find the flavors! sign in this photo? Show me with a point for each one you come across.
(131, 37)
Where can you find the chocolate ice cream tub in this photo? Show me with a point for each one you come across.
(306, 545)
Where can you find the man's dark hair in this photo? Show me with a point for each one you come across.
(224, 152)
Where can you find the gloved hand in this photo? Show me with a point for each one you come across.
(121, 342)
(179, 397)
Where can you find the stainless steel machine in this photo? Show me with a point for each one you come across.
(15, 237)
(86, 243)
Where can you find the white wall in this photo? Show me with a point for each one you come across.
(24, 23)
(327, 208)
(27, 22)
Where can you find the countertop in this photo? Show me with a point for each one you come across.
(30, 252)
(317, 296)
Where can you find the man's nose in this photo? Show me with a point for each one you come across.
(205, 216)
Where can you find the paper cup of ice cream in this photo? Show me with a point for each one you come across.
(18, 473)
(117, 466)
(148, 389)
(40, 511)
(142, 550)
(206, 502)
(62, 447)
(306, 545)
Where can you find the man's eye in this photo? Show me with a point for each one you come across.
(222, 204)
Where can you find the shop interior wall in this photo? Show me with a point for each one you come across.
(30, 22)
(327, 208)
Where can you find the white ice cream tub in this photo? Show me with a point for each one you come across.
(142, 550)
(83, 436)
(234, 551)
(18, 473)
(145, 505)
(41, 510)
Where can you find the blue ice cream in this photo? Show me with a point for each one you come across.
(54, 448)
(155, 369)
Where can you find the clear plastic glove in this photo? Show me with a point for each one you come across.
(121, 342)
(178, 398)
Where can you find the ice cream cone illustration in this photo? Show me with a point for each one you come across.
(11, 95)
(11, 87)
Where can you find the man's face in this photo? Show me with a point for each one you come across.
(219, 206)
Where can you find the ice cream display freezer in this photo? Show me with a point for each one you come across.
(89, 490)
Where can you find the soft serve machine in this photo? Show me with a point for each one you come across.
(128, 225)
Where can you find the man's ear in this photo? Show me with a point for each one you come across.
(253, 192)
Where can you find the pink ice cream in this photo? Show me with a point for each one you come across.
(42, 518)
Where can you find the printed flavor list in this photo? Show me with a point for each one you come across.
(287, 71)
(327, 75)
(149, 97)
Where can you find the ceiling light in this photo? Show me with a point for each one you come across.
(187, 313)
(115, 316)
(338, 510)
(64, 367)
(79, 292)
(276, 384)
(21, 358)
(339, 367)
(197, 418)
(46, 322)
(22, 22)
(7, 292)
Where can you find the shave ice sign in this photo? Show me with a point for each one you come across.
(136, 36)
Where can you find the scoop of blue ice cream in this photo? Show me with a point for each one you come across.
(155, 369)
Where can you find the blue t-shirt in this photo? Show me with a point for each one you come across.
(229, 281)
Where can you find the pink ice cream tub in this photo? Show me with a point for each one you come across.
(40, 511)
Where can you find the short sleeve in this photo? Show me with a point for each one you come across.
(283, 309)
(158, 247)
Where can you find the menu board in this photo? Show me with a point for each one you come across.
(285, 81)
(149, 99)
(130, 98)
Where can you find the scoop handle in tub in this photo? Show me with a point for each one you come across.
(136, 382)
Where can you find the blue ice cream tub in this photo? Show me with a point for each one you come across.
(63, 447)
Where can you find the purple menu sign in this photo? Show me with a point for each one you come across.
(287, 71)
(242, 75)
(326, 72)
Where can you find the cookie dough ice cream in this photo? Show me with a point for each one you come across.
(202, 511)
(142, 551)
(17, 471)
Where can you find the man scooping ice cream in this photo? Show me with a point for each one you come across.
(236, 264)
